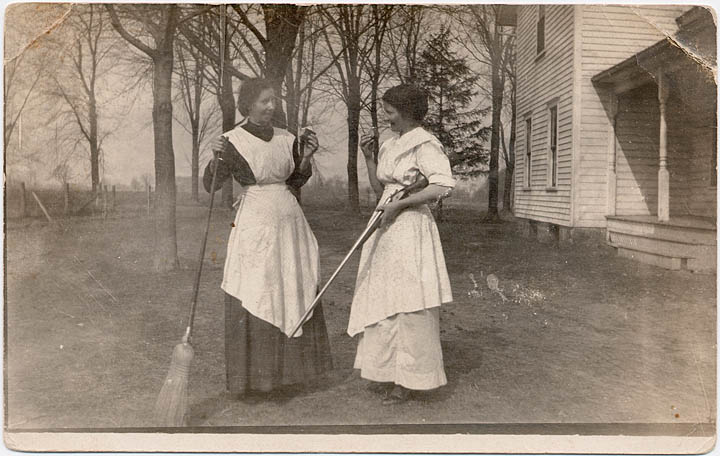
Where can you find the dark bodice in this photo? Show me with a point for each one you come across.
(234, 165)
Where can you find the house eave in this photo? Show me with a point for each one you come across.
(642, 67)
(638, 67)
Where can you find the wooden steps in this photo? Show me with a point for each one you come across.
(684, 243)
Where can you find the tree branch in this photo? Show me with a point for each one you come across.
(115, 21)
(247, 23)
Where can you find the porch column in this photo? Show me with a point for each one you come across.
(612, 156)
(663, 174)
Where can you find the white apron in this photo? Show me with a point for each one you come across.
(272, 259)
(402, 267)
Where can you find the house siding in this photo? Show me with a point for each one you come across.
(611, 34)
(693, 120)
(638, 132)
(542, 82)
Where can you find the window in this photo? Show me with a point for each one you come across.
(528, 151)
(541, 30)
(552, 152)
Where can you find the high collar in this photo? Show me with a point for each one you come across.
(413, 138)
(264, 132)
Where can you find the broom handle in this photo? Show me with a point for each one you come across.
(373, 224)
(196, 287)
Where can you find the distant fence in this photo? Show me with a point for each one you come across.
(22, 201)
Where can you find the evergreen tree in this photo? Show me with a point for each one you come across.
(450, 85)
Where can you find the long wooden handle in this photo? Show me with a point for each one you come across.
(196, 286)
(373, 224)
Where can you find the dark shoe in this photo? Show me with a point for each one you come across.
(382, 388)
(398, 395)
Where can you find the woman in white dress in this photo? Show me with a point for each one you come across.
(271, 271)
(402, 279)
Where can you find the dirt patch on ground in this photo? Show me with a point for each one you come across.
(571, 334)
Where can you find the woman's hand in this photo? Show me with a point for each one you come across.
(310, 140)
(217, 145)
(390, 211)
(367, 145)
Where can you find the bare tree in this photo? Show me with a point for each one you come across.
(238, 37)
(199, 117)
(152, 29)
(66, 156)
(492, 45)
(351, 48)
(84, 49)
(509, 149)
(282, 23)
(222, 39)
(28, 60)
(381, 15)
(404, 38)
(17, 92)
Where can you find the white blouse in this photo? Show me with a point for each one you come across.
(402, 158)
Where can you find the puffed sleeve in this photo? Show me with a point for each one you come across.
(223, 173)
(232, 165)
(434, 164)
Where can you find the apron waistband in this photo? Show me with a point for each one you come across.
(274, 187)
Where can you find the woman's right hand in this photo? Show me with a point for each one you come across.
(367, 145)
(217, 145)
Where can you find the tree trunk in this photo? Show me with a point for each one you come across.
(281, 28)
(165, 236)
(195, 164)
(94, 150)
(353, 122)
(497, 101)
(227, 107)
(510, 165)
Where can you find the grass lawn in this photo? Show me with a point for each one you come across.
(582, 336)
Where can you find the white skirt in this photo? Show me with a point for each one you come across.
(404, 349)
(272, 261)
(402, 270)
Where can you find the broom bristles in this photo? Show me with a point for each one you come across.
(171, 405)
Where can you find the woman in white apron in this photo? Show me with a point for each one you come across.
(271, 271)
(402, 278)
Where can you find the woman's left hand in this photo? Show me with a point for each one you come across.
(311, 144)
(390, 211)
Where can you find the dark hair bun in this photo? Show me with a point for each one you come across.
(410, 100)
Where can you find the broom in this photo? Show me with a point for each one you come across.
(171, 404)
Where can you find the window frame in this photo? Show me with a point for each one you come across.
(540, 31)
(527, 169)
(552, 155)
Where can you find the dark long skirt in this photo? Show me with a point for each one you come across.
(259, 357)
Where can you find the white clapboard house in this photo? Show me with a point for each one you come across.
(616, 111)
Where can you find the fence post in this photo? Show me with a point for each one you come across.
(149, 195)
(23, 201)
(104, 201)
(47, 215)
(98, 192)
(112, 206)
(66, 209)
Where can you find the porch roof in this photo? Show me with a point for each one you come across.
(667, 54)
(639, 69)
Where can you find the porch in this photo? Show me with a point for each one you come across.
(661, 188)
(683, 242)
